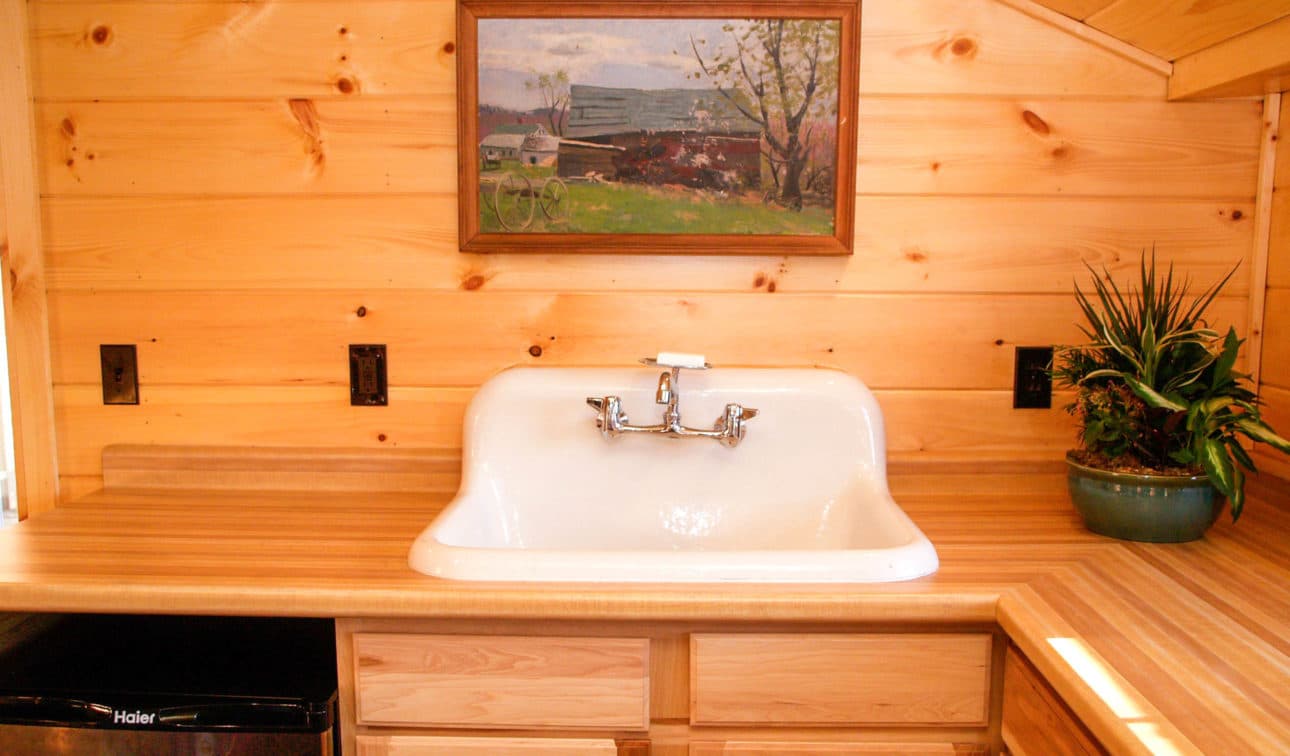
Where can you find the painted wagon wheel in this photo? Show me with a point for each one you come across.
(513, 202)
(554, 199)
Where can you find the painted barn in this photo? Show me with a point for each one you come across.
(496, 147)
(507, 141)
(580, 159)
(539, 149)
(693, 137)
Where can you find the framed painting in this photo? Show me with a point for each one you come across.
(678, 126)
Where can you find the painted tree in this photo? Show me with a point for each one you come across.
(554, 90)
(781, 74)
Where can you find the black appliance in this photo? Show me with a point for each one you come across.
(139, 686)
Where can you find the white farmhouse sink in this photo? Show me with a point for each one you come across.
(802, 499)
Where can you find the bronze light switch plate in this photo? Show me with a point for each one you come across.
(368, 384)
(120, 366)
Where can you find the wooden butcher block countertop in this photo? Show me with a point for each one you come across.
(1158, 648)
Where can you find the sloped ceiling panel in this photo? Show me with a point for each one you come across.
(1172, 28)
(1077, 9)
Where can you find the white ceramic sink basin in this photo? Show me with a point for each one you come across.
(802, 499)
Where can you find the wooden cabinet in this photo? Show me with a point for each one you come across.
(1036, 722)
(841, 679)
(432, 688)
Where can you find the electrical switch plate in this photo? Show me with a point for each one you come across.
(120, 367)
(368, 385)
(1032, 386)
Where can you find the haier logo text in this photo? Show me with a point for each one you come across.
(132, 717)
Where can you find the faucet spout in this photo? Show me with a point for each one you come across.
(663, 395)
(669, 393)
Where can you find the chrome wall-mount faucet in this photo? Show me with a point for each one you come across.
(727, 429)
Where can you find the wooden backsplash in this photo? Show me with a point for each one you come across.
(243, 189)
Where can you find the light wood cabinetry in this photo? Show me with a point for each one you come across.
(425, 688)
(1035, 720)
(843, 679)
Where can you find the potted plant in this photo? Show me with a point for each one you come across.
(1161, 411)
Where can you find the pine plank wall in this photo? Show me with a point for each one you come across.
(244, 188)
(1275, 378)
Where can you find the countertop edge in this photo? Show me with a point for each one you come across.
(1077, 672)
(489, 601)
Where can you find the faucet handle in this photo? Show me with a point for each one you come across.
(731, 423)
(609, 415)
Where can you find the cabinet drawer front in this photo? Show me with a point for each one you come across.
(778, 748)
(839, 679)
(1035, 720)
(421, 745)
(502, 681)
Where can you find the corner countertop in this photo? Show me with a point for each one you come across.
(1159, 648)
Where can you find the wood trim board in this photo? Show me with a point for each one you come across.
(22, 269)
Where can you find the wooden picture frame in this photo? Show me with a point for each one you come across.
(668, 145)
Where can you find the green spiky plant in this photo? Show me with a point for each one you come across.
(1155, 386)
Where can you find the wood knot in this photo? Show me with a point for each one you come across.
(1035, 123)
(345, 85)
(759, 280)
(770, 287)
(306, 115)
(914, 254)
(361, 311)
(69, 128)
(963, 47)
(1060, 152)
(473, 281)
(101, 35)
(342, 31)
(1237, 215)
(535, 351)
(449, 48)
(936, 166)
(380, 437)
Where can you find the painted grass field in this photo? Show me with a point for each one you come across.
(609, 208)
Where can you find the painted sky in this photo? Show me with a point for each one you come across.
(640, 53)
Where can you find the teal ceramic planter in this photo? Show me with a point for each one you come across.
(1152, 508)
